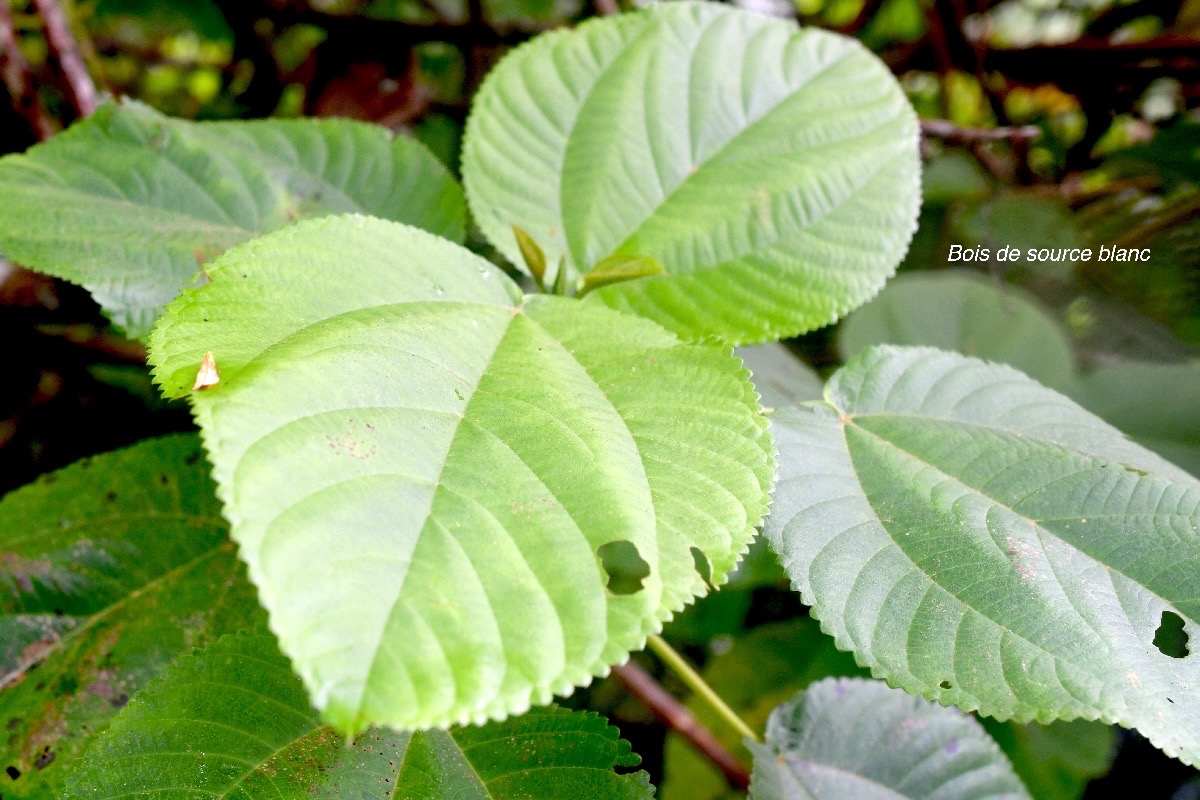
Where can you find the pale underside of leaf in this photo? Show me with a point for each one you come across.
(131, 204)
(772, 171)
(849, 737)
(421, 467)
(981, 540)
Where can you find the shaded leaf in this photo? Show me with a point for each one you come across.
(1157, 404)
(109, 569)
(964, 311)
(779, 375)
(404, 419)
(1056, 761)
(773, 171)
(131, 204)
(954, 176)
(979, 539)
(1022, 221)
(234, 721)
(1174, 152)
(850, 737)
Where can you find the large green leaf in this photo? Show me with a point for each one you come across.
(980, 539)
(773, 171)
(233, 721)
(109, 570)
(964, 311)
(426, 471)
(849, 737)
(131, 204)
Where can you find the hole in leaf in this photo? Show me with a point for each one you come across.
(703, 567)
(1170, 638)
(945, 685)
(624, 565)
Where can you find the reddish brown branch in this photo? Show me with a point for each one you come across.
(89, 337)
(80, 88)
(955, 134)
(606, 8)
(675, 716)
(18, 79)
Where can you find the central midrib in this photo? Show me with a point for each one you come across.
(399, 593)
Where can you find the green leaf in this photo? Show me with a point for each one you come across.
(981, 540)
(954, 176)
(773, 171)
(234, 721)
(201, 18)
(1022, 222)
(532, 256)
(621, 267)
(109, 570)
(850, 737)
(780, 377)
(404, 420)
(131, 204)
(967, 312)
(1174, 152)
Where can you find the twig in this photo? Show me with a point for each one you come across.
(946, 130)
(89, 337)
(18, 79)
(80, 89)
(606, 8)
(1157, 223)
(675, 716)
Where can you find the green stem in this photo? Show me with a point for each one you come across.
(684, 670)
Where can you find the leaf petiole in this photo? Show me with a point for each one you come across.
(697, 684)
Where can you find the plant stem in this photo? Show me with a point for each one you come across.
(80, 89)
(675, 716)
(18, 79)
(698, 685)
(948, 131)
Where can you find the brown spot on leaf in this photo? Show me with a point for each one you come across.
(102, 686)
(207, 375)
(1019, 555)
(44, 760)
(351, 444)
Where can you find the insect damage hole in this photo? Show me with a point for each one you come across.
(703, 567)
(1170, 638)
(624, 565)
